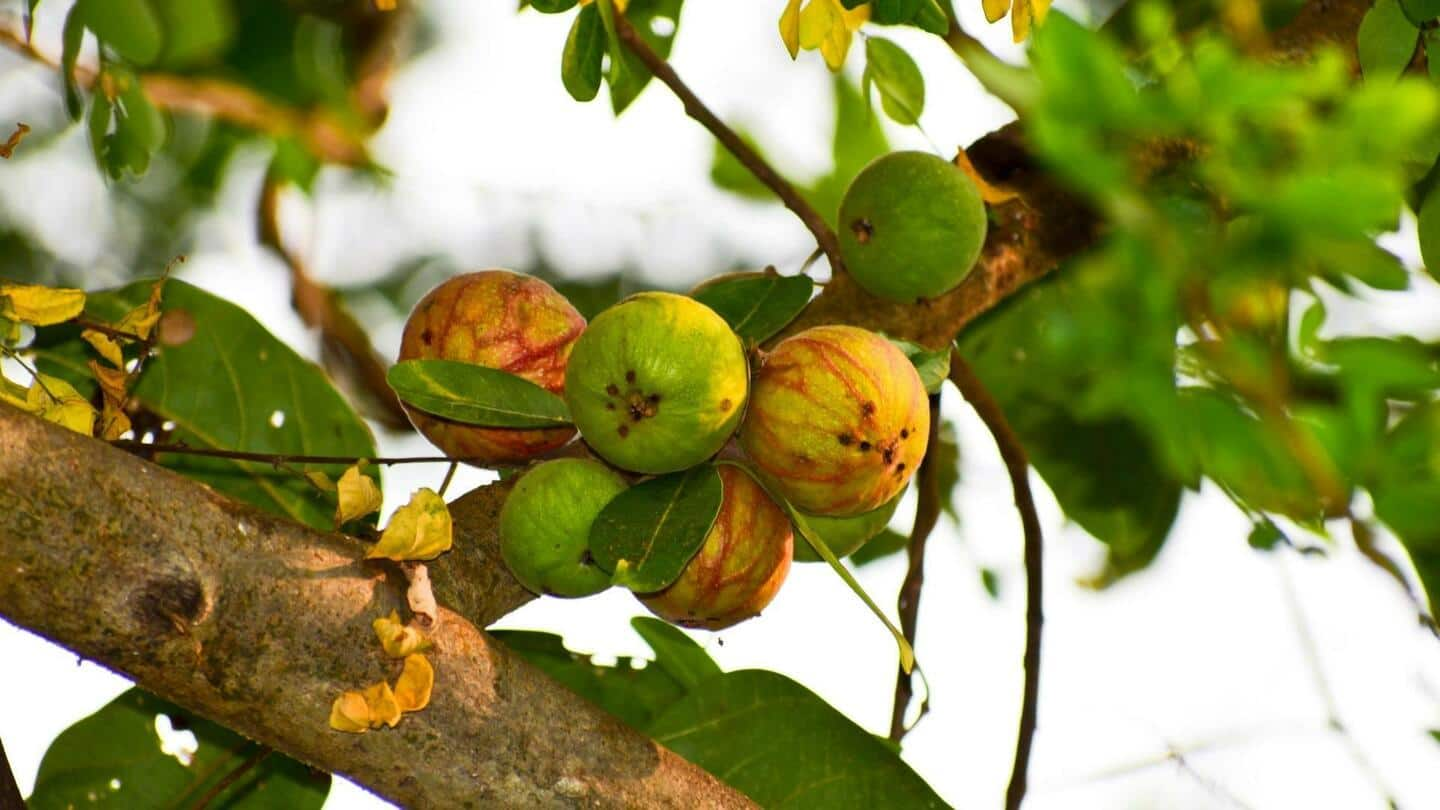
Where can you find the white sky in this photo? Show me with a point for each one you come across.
(1200, 653)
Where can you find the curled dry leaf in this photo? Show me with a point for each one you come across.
(417, 679)
(419, 530)
(106, 346)
(380, 700)
(141, 320)
(359, 496)
(55, 400)
(40, 306)
(350, 713)
(397, 638)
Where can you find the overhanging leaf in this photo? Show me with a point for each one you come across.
(901, 85)
(756, 307)
(476, 395)
(675, 652)
(584, 51)
(647, 534)
(932, 366)
(113, 758)
(1385, 41)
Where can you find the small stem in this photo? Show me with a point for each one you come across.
(449, 474)
(233, 776)
(749, 158)
(1018, 466)
(927, 514)
(108, 331)
(10, 798)
(279, 459)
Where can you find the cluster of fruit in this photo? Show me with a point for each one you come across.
(827, 428)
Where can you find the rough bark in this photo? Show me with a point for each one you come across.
(260, 623)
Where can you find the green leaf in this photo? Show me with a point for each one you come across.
(882, 545)
(931, 17)
(933, 366)
(226, 383)
(675, 652)
(129, 26)
(782, 746)
(990, 581)
(901, 85)
(907, 654)
(893, 12)
(1421, 11)
(647, 534)
(113, 758)
(138, 132)
(1386, 41)
(1405, 486)
(476, 395)
(196, 31)
(757, 307)
(1429, 229)
(294, 163)
(628, 75)
(552, 6)
(71, 38)
(635, 696)
(584, 51)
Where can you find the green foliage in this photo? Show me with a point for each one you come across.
(1386, 41)
(584, 52)
(757, 306)
(647, 534)
(932, 366)
(113, 758)
(760, 732)
(476, 395)
(896, 76)
(226, 383)
(627, 75)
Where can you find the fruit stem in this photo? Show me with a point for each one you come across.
(749, 158)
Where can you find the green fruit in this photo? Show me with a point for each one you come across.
(911, 226)
(845, 535)
(545, 526)
(657, 383)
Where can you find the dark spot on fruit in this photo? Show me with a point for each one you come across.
(888, 454)
(612, 389)
(868, 408)
(900, 468)
(630, 376)
(587, 558)
(426, 337)
(624, 431)
(864, 447)
(904, 434)
(725, 404)
(863, 230)
(653, 398)
(845, 439)
(609, 406)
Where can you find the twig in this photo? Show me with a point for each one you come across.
(449, 475)
(344, 343)
(233, 776)
(927, 514)
(1018, 467)
(1327, 697)
(10, 798)
(143, 448)
(824, 236)
(7, 149)
(323, 133)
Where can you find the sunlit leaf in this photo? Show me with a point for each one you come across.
(350, 713)
(380, 703)
(358, 495)
(417, 679)
(397, 638)
(419, 530)
(40, 306)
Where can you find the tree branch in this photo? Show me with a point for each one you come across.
(749, 158)
(259, 623)
(927, 514)
(345, 346)
(1018, 466)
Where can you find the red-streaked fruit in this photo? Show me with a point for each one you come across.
(501, 320)
(657, 383)
(740, 567)
(838, 421)
(545, 526)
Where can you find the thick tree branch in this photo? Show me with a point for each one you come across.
(927, 514)
(749, 158)
(1018, 466)
(260, 623)
(10, 798)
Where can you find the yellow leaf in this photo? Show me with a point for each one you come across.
(54, 400)
(827, 25)
(1039, 8)
(384, 710)
(320, 480)
(790, 27)
(995, 9)
(419, 530)
(40, 306)
(14, 393)
(113, 422)
(113, 381)
(107, 347)
(989, 193)
(397, 638)
(412, 690)
(1020, 19)
(816, 20)
(142, 319)
(350, 713)
(9, 330)
(358, 495)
